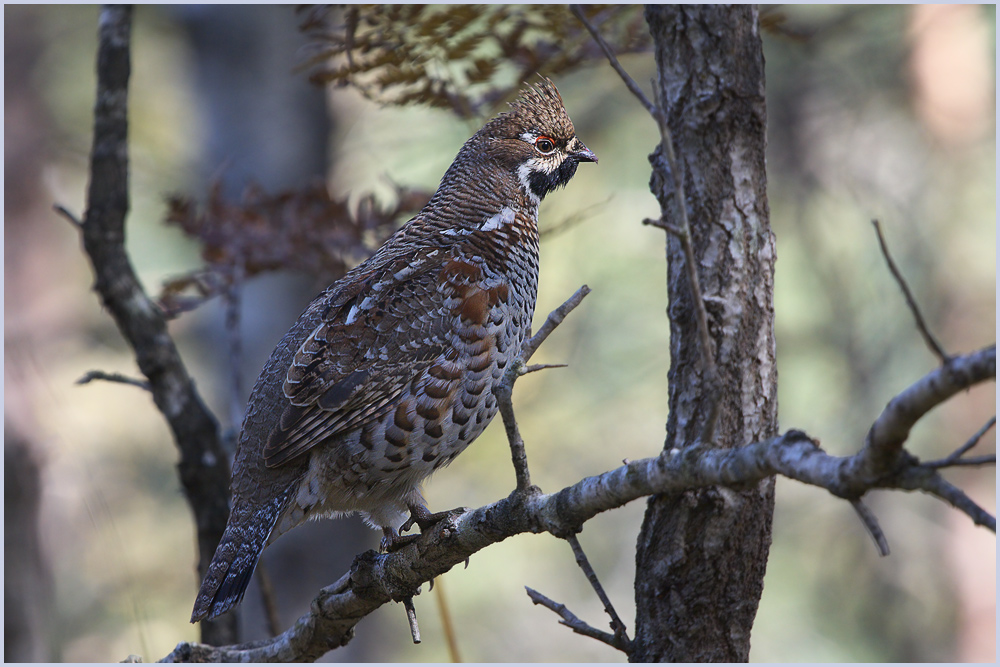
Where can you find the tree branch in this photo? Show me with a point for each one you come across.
(375, 578)
(885, 439)
(204, 467)
(588, 571)
(573, 622)
(554, 319)
(629, 81)
(517, 368)
(932, 343)
(955, 458)
(989, 459)
(504, 394)
(682, 231)
(870, 522)
(90, 376)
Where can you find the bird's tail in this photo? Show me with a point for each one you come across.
(235, 559)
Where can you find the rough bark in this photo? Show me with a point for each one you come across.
(704, 544)
(701, 554)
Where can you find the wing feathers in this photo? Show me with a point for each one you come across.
(349, 371)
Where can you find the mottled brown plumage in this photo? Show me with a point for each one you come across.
(389, 373)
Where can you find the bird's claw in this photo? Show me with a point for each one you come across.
(393, 541)
(420, 516)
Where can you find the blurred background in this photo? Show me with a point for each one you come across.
(874, 112)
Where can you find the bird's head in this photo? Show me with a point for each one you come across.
(535, 141)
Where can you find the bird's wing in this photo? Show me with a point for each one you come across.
(379, 334)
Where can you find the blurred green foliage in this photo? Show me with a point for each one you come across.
(856, 130)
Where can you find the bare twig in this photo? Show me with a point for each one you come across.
(972, 461)
(871, 525)
(113, 377)
(505, 404)
(269, 599)
(886, 436)
(517, 368)
(629, 81)
(554, 319)
(955, 456)
(617, 626)
(976, 437)
(446, 624)
(572, 220)
(411, 618)
(682, 231)
(932, 343)
(663, 224)
(541, 367)
(920, 478)
(573, 622)
(683, 234)
(66, 213)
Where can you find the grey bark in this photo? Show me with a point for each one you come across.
(701, 554)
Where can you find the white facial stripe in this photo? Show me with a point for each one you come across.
(529, 137)
(504, 217)
(522, 175)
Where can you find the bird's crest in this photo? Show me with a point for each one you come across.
(538, 107)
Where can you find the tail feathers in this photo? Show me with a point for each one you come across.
(235, 560)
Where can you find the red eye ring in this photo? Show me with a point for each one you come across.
(545, 145)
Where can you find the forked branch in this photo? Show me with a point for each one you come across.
(204, 466)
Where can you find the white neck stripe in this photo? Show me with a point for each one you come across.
(504, 217)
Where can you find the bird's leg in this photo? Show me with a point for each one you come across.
(422, 517)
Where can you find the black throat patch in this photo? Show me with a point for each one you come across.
(542, 184)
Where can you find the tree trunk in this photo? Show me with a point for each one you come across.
(701, 555)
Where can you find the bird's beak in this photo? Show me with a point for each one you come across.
(581, 152)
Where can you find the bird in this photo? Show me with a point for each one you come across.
(388, 374)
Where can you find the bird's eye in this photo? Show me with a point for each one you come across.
(544, 145)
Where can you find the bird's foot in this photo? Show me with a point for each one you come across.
(393, 541)
(422, 517)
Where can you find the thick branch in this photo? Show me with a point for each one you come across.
(376, 579)
(204, 468)
(884, 442)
